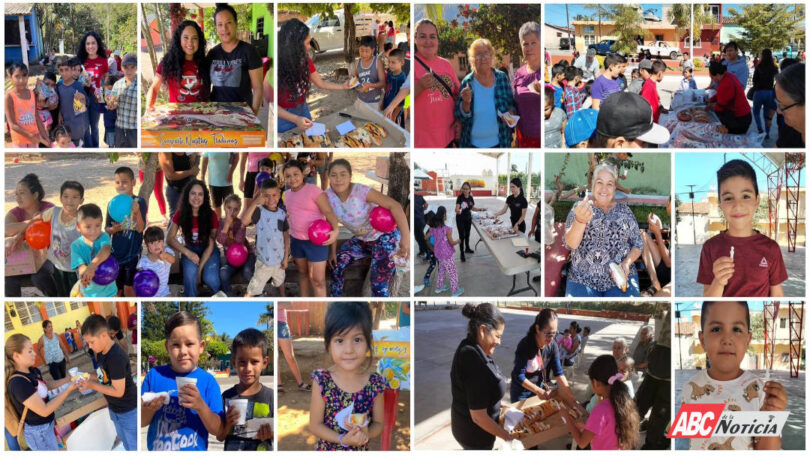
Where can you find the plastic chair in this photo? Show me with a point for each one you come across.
(96, 433)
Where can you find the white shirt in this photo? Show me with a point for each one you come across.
(159, 267)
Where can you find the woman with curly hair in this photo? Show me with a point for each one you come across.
(296, 74)
(183, 70)
(93, 56)
(197, 222)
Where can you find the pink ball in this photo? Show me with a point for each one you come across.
(381, 219)
(237, 255)
(319, 232)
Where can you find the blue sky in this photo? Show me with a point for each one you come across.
(555, 13)
(700, 169)
(232, 317)
(694, 306)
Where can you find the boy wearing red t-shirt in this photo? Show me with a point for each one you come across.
(740, 262)
(649, 91)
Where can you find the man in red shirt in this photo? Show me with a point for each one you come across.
(649, 91)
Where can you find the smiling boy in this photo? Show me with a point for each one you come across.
(90, 250)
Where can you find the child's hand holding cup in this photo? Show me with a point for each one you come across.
(239, 409)
(187, 392)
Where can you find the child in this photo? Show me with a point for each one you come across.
(90, 250)
(249, 357)
(127, 235)
(580, 128)
(265, 166)
(725, 335)
(28, 394)
(64, 231)
(443, 249)
(72, 103)
(608, 82)
(24, 123)
(649, 91)
(348, 339)
(394, 79)
(69, 338)
(115, 332)
(687, 82)
(557, 78)
(430, 257)
(114, 380)
(61, 138)
(573, 96)
(272, 239)
(110, 115)
(566, 339)
(192, 410)
(220, 167)
(554, 123)
(638, 76)
(232, 231)
(759, 259)
(47, 99)
(158, 259)
(614, 422)
(306, 203)
(370, 74)
(124, 99)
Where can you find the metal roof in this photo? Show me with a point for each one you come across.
(16, 9)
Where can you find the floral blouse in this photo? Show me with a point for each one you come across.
(337, 400)
(353, 213)
(608, 238)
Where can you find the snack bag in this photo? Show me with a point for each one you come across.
(79, 105)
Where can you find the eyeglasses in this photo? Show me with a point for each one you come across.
(785, 108)
(548, 335)
(486, 56)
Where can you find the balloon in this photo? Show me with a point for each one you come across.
(276, 157)
(106, 272)
(38, 235)
(382, 220)
(120, 207)
(319, 232)
(261, 177)
(146, 283)
(432, 241)
(237, 255)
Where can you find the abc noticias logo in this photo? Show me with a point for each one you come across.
(702, 421)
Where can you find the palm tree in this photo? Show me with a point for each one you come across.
(266, 318)
(680, 15)
(434, 11)
(600, 11)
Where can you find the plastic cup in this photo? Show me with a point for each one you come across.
(183, 381)
(73, 371)
(240, 405)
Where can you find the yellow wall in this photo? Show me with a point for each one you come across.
(60, 322)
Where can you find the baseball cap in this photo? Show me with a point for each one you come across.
(645, 64)
(630, 116)
(129, 59)
(580, 126)
(591, 52)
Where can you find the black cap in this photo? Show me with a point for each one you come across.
(630, 116)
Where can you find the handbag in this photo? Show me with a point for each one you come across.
(750, 94)
(435, 76)
(14, 424)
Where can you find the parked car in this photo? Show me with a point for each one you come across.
(327, 32)
(660, 49)
(567, 43)
(604, 47)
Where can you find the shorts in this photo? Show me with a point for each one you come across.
(283, 330)
(250, 183)
(261, 275)
(126, 274)
(218, 194)
(306, 249)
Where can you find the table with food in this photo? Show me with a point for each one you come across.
(513, 251)
(354, 127)
(535, 421)
(202, 125)
(691, 126)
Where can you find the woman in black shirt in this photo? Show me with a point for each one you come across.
(476, 383)
(465, 204)
(517, 205)
(764, 95)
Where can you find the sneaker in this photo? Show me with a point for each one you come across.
(458, 293)
(418, 288)
(442, 289)
(469, 250)
(463, 259)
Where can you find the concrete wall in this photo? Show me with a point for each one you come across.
(656, 173)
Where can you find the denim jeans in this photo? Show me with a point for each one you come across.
(173, 197)
(11, 441)
(764, 100)
(94, 110)
(299, 110)
(210, 272)
(578, 290)
(126, 426)
(41, 437)
(227, 271)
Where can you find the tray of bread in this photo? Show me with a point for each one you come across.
(502, 231)
(542, 421)
(302, 140)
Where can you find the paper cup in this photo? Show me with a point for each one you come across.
(240, 405)
(73, 371)
(182, 381)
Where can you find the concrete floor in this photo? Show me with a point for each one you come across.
(480, 274)
(437, 335)
(687, 260)
(794, 430)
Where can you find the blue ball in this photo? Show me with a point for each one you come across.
(120, 207)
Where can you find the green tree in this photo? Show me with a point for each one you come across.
(627, 21)
(266, 318)
(680, 15)
(156, 314)
(500, 23)
(452, 39)
(772, 26)
(156, 348)
(244, 16)
(600, 11)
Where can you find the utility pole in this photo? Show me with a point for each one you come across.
(677, 319)
(692, 197)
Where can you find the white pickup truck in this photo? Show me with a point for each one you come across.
(327, 32)
(659, 49)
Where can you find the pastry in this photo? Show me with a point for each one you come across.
(358, 419)
(685, 116)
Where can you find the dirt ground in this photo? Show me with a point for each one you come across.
(292, 426)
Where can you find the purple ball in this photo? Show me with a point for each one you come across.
(106, 272)
(146, 283)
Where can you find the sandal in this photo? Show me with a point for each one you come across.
(305, 387)
(650, 291)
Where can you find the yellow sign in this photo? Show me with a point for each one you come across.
(392, 349)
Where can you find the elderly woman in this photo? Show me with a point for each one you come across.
(645, 344)
(600, 232)
(435, 91)
(536, 355)
(729, 103)
(790, 96)
(485, 96)
(526, 77)
(476, 383)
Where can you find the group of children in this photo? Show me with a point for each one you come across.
(31, 401)
(375, 91)
(54, 114)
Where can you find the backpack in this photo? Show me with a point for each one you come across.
(14, 423)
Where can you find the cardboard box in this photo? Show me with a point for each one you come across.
(558, 428)
(202, 125)
(381, 167)
(21, 262)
